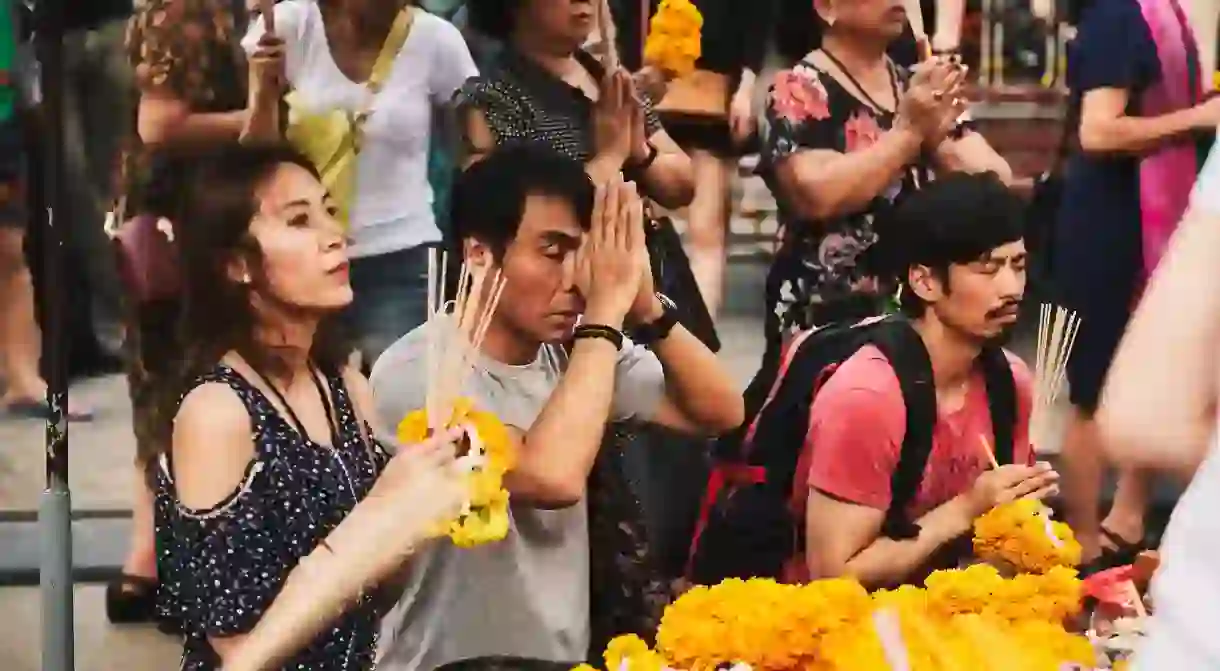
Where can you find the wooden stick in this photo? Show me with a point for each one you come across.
(1137, 601)
(473, 340)
(1035, 419)
(430, 339)
(1073, 328)
(989, 452)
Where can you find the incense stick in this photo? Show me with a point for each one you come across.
(1137, 601)
(989, 452)
(1057, 329)
(467, 315)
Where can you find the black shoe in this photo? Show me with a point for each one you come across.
(131, 599)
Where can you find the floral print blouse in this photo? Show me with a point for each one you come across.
(820, 273)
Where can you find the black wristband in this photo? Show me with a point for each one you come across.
(599, 331)
(652, 333)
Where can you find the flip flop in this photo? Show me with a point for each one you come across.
(40, 409)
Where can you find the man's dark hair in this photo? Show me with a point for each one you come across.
(489, 196)
(956, 219)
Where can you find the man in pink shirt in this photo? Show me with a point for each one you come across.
(960, 261)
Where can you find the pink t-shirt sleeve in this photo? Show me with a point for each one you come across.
(1023, 379)
(855, 432)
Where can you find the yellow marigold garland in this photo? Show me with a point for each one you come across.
(1022, 535)
(491, 456)
(963, 619)
(960, 620)
(675, 37)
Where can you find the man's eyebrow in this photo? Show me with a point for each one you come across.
(554, 236)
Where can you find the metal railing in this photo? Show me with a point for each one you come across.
(996, 17)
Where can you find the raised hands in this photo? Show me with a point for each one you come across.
(267, 76)
(618, 117)
(612, 264)
(934, 100)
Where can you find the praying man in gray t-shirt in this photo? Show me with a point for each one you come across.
(570, 255)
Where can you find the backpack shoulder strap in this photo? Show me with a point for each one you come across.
(1001, 400)
(906, 353)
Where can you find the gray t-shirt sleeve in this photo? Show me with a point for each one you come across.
(399, 383)
(639, 384)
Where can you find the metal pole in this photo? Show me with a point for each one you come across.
(55, 512)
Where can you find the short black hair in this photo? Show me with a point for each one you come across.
(954, 220)
(489, 196)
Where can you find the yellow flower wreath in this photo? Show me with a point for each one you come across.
(491, 455)
(1022, 535)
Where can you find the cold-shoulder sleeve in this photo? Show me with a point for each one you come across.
(239, 568)
(1113, 49)
(223, 566)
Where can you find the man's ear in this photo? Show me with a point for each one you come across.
(826, 10)
(477, 254)
(925, 283)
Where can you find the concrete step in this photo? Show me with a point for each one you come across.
(99, 546)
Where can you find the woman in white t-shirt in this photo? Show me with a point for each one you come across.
(329, 50)
(1159, 411)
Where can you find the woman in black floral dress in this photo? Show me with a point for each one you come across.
(269, 450)
(847, 132)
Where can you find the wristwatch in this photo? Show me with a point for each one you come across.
(659, 329)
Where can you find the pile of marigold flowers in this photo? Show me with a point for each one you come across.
(1023, 536)
(961, 620)
(675, 37)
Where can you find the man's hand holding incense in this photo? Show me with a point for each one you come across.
(613, 258)
(1009, 483)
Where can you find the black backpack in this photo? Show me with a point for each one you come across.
(746, 527)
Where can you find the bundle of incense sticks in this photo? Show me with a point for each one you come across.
(1057, 328)
(450, 361)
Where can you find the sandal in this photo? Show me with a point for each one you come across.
(131, 599)
(40, 409)
(1124, 553)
